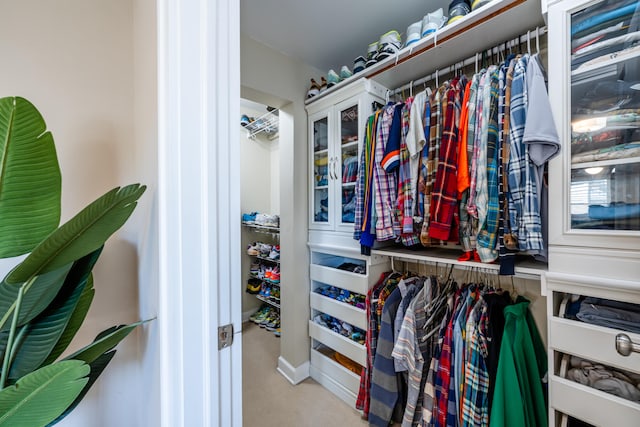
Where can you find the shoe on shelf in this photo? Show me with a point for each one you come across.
(390, 43)
(260, 313)
(414, 33)
(277, 333)
(332, 78)
(314, 89)
(372, 51)
(253, 250)
(433, 21)
(323, 84)
(272, 221)
(254, 286)
(275, 275)
(458, 9)
(255, 268)
(264, 249)
(249, 218)
(275, 252)
(244, 120)
(345, 72)
(359, 64)
(275, 294)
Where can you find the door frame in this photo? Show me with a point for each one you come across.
(199, 211)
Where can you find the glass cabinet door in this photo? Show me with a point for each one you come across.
(605, 116)
(321, 171)
(347, 163)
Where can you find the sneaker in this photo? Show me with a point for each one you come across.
(277, 332)
(252, 249)
(345, 72)
(314, 89)
(390, 43)
(275, 294)
(275, 275)
(244, 120)
(275, 252)
(372, 51)
(323, 84)
(458, 9)
(265, 249)
(265, 290)
(433, 21)
(272, 221)
(249, 218)
(359, 64)
(254, 286)
(414, 33)
(332, 78)
(260, 313)
(255, 268)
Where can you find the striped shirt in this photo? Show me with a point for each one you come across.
(475, 406)
(385, 183)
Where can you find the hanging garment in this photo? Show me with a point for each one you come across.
(416, 141)
(475, 408)
(463, 172)
(519, 399)
(364, 217)
(385, 183)
(541, 138)
(444, 218)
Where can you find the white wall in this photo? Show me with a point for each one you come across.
(271, 78)
(74, 59)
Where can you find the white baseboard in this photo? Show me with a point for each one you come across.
(294, 375)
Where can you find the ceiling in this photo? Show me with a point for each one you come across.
(328, 33)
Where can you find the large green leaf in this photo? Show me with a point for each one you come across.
(97, 366)
(78, 316)
(104, 342)
(83, 234)
(35, 299)
(29, 178)
(40, 397)
(44, 331)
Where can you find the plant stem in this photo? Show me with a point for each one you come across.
(27, 286)
(12, 332)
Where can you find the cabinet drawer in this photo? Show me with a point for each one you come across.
(343, 311)
(591, 405)
(591, 342)
(336, 371)
(344, 345)
(353, 282)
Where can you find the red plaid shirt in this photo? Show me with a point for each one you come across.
(444, 199)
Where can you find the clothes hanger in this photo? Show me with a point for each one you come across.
(411, 89)
(537, 40)
(529, 42)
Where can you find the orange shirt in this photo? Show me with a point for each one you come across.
(463, 163)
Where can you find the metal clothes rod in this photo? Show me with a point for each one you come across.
(496, 50)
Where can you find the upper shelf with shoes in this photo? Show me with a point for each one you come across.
(488, 25)
(267, 124)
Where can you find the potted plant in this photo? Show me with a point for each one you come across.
(45, 298)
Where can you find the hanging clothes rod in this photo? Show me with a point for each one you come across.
(496, 50)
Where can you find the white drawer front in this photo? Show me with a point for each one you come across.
(591, 342)
(343, 311)
(344, 345)
(333, 369)
(353, 282)
(591, 405)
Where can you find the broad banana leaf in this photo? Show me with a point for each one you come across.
(97, 367)
(43, 332)
(29, 178)
(78, 316)
(105, 341)
(81, 235)
(35, 299)
(40, 397)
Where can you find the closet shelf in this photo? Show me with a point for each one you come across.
(268, 301)
(526, 269)
(277, 261)
(601, 163)
(490, 25)
(267, 124)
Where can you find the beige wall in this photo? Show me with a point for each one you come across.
(272, 78)
(74, 59)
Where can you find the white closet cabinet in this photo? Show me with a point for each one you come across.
(594, 90)
(594, 206)
(327, 269)
(336, 133)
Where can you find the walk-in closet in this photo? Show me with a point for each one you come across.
(459, 219)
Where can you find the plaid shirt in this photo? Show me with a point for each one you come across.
(475, 404)
(424, 160)
(405, 189)
(432, 162)
(487, 236)
(445, 188)
(523, 202)
(475, 127)
(364, 181)
(443, 378)
(371, 343)
(385, 183)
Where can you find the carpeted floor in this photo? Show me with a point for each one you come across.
(269, 400)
